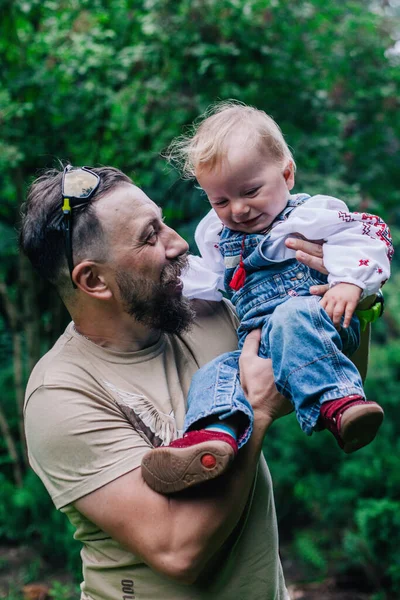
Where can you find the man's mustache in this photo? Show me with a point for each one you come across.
(174, 269)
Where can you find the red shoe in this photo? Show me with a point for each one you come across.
(353, 421)
(195, 458)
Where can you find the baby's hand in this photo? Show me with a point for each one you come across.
(340, 300)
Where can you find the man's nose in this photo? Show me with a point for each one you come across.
(176, 245)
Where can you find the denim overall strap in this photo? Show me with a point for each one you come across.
(293, 202)
(239, 278)
(237, 247)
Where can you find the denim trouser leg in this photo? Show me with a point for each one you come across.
(215, 391)
(309, 365)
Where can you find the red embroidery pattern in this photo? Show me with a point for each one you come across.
(382, 233)
(379, 271)
(366, 230)
(345, 216)
(373, 219)
(363, 262)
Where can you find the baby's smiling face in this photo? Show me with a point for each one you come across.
(246, 190)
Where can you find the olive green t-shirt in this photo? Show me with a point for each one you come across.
(92, 413)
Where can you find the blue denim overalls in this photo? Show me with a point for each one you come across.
(307, 352)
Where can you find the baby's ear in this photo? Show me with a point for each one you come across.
(288, 174)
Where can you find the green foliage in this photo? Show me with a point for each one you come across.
(375, 542)
(112, 82)
(309, 549)
(62, 591)
(58, 591)
(27, 515)
(131, 75)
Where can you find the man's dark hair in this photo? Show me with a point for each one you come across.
(41, 235)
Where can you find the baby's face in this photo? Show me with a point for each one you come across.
(247, 191)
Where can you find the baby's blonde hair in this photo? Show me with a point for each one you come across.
(207, 141)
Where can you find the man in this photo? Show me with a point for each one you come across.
(115, 384)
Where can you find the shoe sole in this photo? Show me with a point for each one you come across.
(359, 426)
(168, 470)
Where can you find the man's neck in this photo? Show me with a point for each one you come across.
(124, 335)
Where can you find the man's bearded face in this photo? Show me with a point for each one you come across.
(158, 305)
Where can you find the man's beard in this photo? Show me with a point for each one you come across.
(157, 305)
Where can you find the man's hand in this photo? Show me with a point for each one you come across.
(335, 301)
(311, 255)
(308, 253)
(340, 300)
(257, 381)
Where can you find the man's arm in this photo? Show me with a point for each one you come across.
(178, 535)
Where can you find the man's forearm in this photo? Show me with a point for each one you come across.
(219, 505)
(202, 519)
(176, 535)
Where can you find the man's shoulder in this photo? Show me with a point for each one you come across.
(56, 366)
(213, 331)
(207, 309)
(214, 315)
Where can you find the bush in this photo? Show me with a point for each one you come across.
(375, 544)
(27, 516)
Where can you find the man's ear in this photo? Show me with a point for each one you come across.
(88, 276)
(288, 174)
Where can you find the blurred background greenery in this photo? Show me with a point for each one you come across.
(112, 82)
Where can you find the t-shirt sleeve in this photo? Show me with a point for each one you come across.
(80, 444)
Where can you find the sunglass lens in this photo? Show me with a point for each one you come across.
(79, 183)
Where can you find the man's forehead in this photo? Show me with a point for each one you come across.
(127, 200)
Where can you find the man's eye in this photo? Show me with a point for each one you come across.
(152, 236)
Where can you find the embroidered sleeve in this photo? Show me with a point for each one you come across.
(205, 276)
(358, 246)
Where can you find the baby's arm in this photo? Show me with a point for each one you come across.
(357, 247)
(356, 252)
(204, 277)
(340, 300)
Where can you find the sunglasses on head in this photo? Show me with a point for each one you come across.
(78, 186)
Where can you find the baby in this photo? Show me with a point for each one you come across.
(240, 159)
